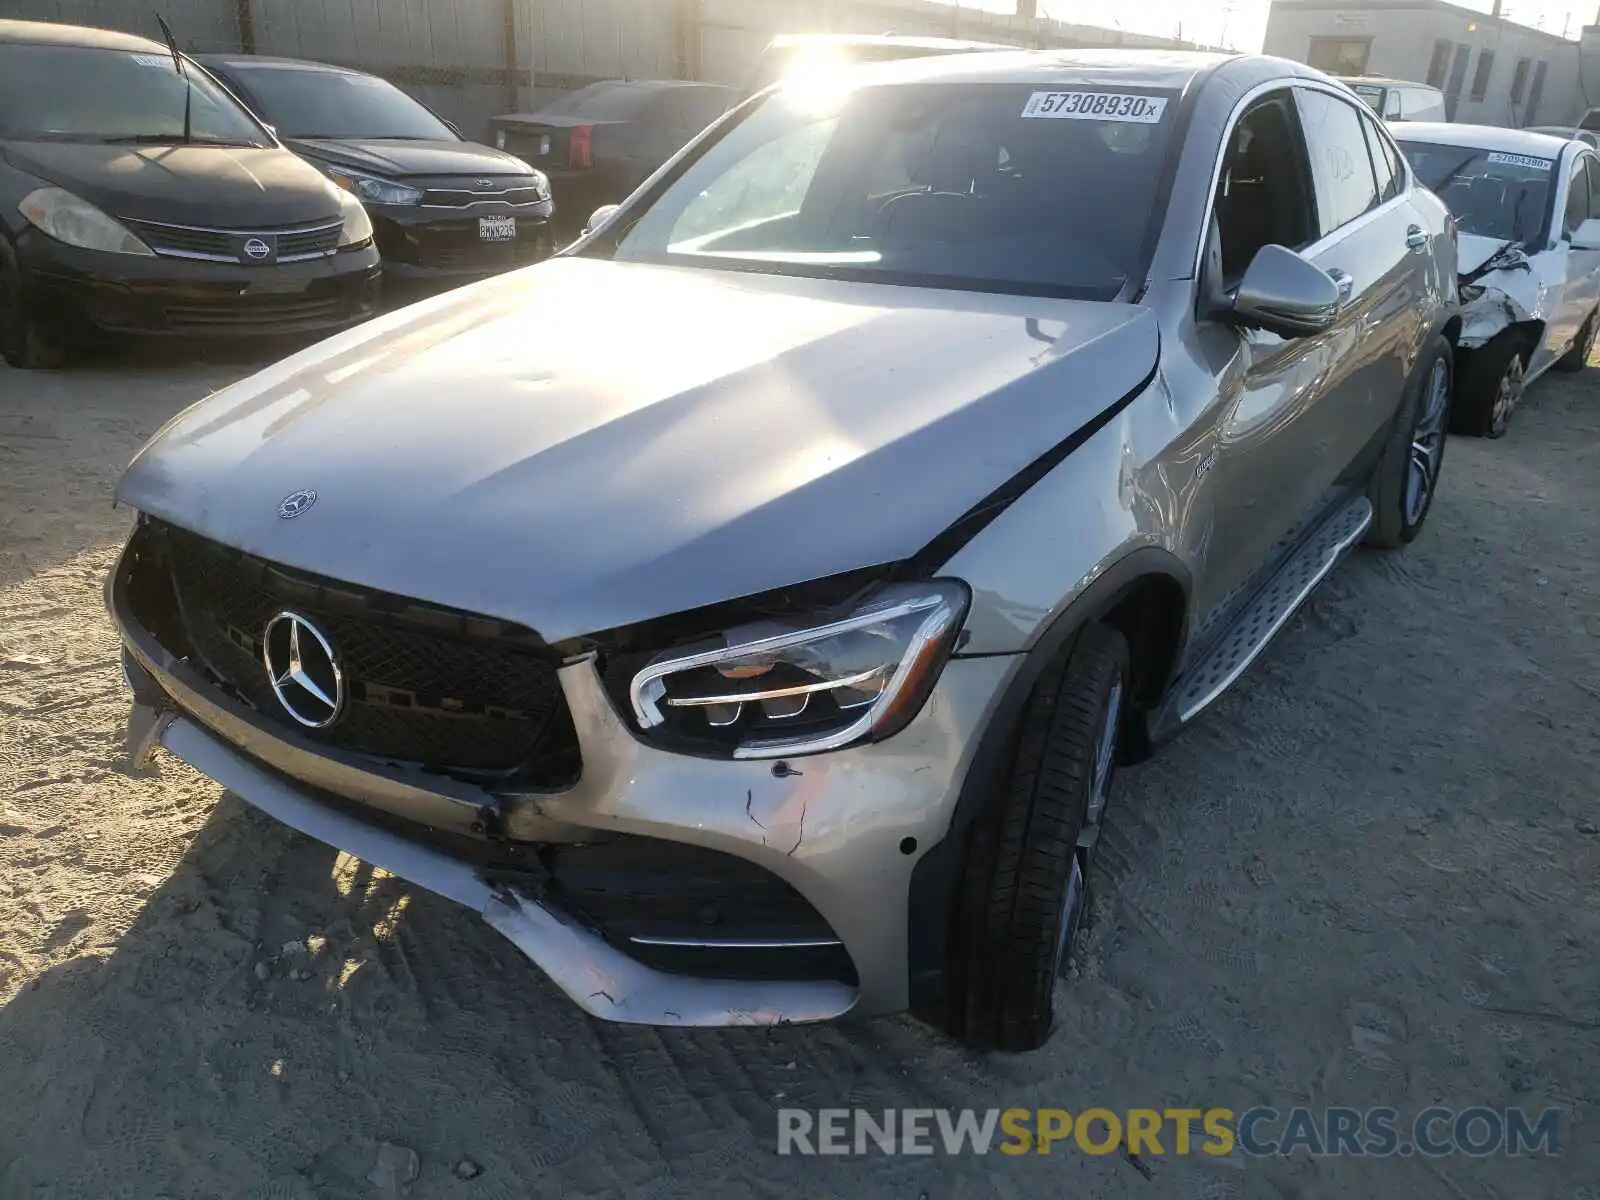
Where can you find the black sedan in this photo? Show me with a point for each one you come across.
(444, 208)
(602, 141)
(137, 196)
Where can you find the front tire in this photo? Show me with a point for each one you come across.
(1489, 386)
(1025, 888)
(1577, 358)
(1407, 476)
(24, 341)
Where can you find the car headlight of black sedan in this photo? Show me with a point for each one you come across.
(73, 221)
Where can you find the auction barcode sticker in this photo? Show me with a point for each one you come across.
(1520, 160)
(152, 60)
(1096, 106)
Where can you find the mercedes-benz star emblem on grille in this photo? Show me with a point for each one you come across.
(303, 670)
(257, 249)
(295, 503)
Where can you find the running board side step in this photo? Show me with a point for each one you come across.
(1259, 621)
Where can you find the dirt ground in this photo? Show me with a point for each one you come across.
(1368, 876)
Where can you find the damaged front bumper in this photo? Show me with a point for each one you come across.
(845, 830)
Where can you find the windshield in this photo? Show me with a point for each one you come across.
(1490, 194)
(80, 94)
(305, 102)
(997, 187)
(1371, 93)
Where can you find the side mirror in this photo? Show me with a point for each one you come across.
(599, 217)
(1286, 295)
(1587, 235)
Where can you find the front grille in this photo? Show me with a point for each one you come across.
(518, 190)
(425, 685)
(293, 243)
(250, 312)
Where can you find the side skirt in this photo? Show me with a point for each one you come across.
(1258, 621)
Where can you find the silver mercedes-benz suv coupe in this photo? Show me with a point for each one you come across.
(745, 610)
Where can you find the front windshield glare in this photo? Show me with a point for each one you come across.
(998, 187)
(74, 93)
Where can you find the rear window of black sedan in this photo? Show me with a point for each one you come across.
(90, 94)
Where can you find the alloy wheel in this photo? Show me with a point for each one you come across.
(1507, 396)
(1427, 444)
(1075, 901)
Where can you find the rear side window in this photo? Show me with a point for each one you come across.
(603, 102)
(1577, 198)
(1383, 163)
(1593, 168)
(1341, 167)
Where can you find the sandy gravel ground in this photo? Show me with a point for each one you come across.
(1369, 876)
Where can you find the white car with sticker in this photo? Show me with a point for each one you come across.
(1527, 206)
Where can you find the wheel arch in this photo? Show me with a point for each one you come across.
(1149, 583)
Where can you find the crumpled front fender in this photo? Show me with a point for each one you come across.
(1495, 310)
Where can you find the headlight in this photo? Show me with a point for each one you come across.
(774, 689)
(357, 229)
(541, 183)
(63, 216)
(369, 187)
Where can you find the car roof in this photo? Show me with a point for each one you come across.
(48, 33)
(933, 45)
(1145, 68)
(1481, 137)
(266, 62)
(1386, 81)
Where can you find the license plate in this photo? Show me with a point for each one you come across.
(497, 229)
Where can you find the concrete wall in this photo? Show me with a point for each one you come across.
(457, 56)
(1403, 34)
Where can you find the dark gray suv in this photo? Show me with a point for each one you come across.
(746, 609)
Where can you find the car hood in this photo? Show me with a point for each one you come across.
(585, 444)
(397, 156)
(224, 186)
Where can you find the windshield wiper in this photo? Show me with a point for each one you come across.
(143, 139)
(177, 65)
(171, 139)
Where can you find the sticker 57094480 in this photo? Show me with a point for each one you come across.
(1520, 160)
(1096, 106)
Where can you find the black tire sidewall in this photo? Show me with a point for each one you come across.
(1022, 846)
(1577, 356)
(13, 320)
(1477, 383)
(24, 342)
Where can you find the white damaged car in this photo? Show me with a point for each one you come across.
(1528, 209)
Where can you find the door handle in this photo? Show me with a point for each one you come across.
(1345, 284)
(1417, 238)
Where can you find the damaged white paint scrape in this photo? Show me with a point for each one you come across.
(1525, 288)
